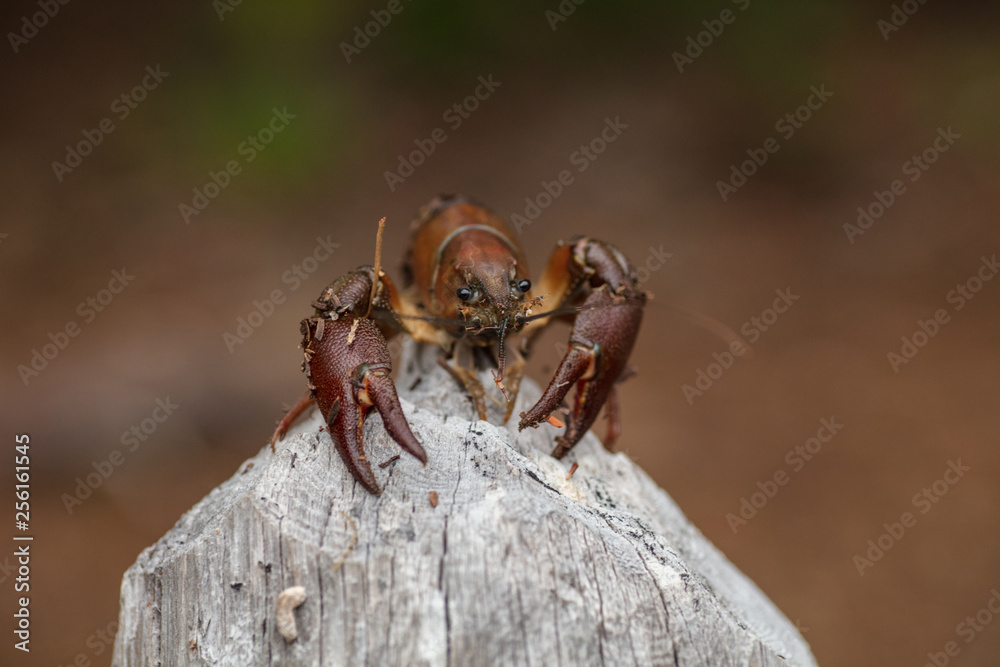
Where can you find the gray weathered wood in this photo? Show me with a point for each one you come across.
(515, 566)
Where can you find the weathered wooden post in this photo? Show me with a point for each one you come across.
(489, 555)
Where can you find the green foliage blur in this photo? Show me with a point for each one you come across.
(292, 54)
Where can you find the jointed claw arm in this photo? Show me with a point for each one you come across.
(348, 366)
(600, 280)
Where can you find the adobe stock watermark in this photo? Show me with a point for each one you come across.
(924, 501)
(31, 25)
(223, 7)
(968, 629)
(581, 158)
(7, 569)
(100, 641)
(122, 107)
(958, 297)
(88, 309)
(562, 12)
(913, 169)
(295, 276)
(752, 330)
(696, 44)
(372, 29)
(249, 149)
(786, 126)
(655, 259)
(131, 440)
(454, 116)
(797, 457)
(898, 17)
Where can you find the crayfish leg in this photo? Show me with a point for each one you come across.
(469, 381)
(614, 414)
(291, 417)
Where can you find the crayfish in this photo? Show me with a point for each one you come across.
(467, 290)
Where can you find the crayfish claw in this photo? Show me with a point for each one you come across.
(349, 368)
(382, 393)
(599, 347)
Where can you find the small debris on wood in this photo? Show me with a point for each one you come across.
(386, 463)
(555, 421)
(288, 600)
(572, 469)
(354, 539)
(433, 496)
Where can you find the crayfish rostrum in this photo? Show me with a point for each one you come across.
(467, 290)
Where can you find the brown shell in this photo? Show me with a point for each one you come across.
(453, 231)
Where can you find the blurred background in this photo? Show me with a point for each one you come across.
(309, 114)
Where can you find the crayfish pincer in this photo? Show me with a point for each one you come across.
(468, 291)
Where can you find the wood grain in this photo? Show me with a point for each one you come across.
(516, 565)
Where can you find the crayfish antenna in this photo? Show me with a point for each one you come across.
(712, 325)
(378, 265)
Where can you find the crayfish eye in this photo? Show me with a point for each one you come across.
(524, 285)
(464, 293)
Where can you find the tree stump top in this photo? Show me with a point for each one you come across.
(489, 555)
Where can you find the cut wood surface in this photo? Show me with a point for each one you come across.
(488, 556)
